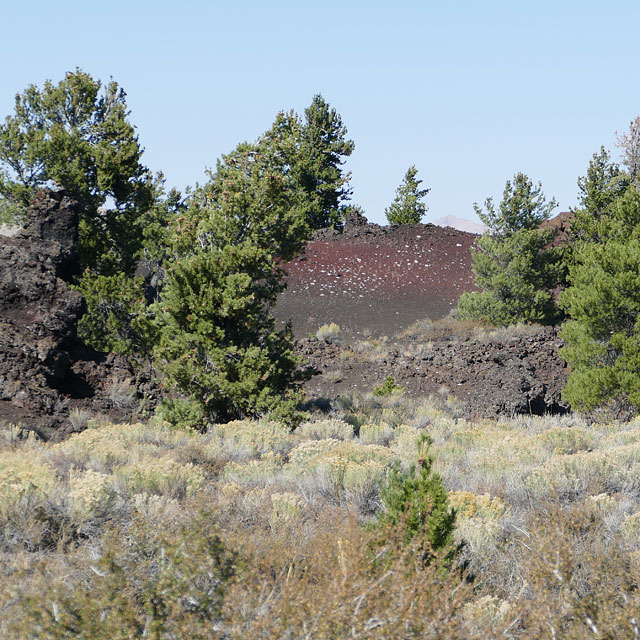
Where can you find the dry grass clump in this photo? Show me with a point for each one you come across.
(329, 585)
(536, 459)
(334, 377)
(353, 470)
(102, 448)
(578, 580)
(444, 329)
(161, 476)
(313, 453)
(254, 472)
(249, 438)
(371, 349)
(24, 475)
(344, 472)
(563, 441)
(512, 332)
(52, 495)
(451, 330)
(537, 424)
(375, 433)
(286, 507)
(79, 418)
(152, 583)
(330, 333)
(156, 507)
(393, 410)
(144, 582)
(122, 394)
(91, 493)
(328, 470)
(469, 505)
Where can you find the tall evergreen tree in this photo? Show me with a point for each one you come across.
(77, 135)
(513, 265)
(323, 152)
(603, 184)
(313, 151)
(219, 347)
(602, 342)
(523, 207)
(407, 207)
(602, 334)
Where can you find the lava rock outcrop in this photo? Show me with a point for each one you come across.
(45, 370)
(486, 377)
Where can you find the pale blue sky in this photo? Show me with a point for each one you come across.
(469, 92)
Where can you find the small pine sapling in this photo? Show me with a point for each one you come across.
(407, 207)
(388, 387)
(514, 265)
(417, 501)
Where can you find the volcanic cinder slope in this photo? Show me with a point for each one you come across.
(376, 280)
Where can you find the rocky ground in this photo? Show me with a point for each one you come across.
(475, 374)
(50, 381)
(388, 288)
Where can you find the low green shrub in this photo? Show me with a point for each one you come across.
(417, 501)
(388, 387)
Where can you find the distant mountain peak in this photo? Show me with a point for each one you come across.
(462, 224)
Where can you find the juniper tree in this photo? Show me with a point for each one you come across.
(513, 265)
(407, 207)
(219, 348)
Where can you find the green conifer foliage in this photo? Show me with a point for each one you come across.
(77, 135)
(312, 151)
(604, 183)
(219, 347)
(120, 319)
(523, 206)
(602, 335)
(407, 207)
(324, 147)
(417, 500)
(513, 265)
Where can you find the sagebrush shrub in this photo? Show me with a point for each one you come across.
(329, 332)
(328, 428)
(147, 583)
